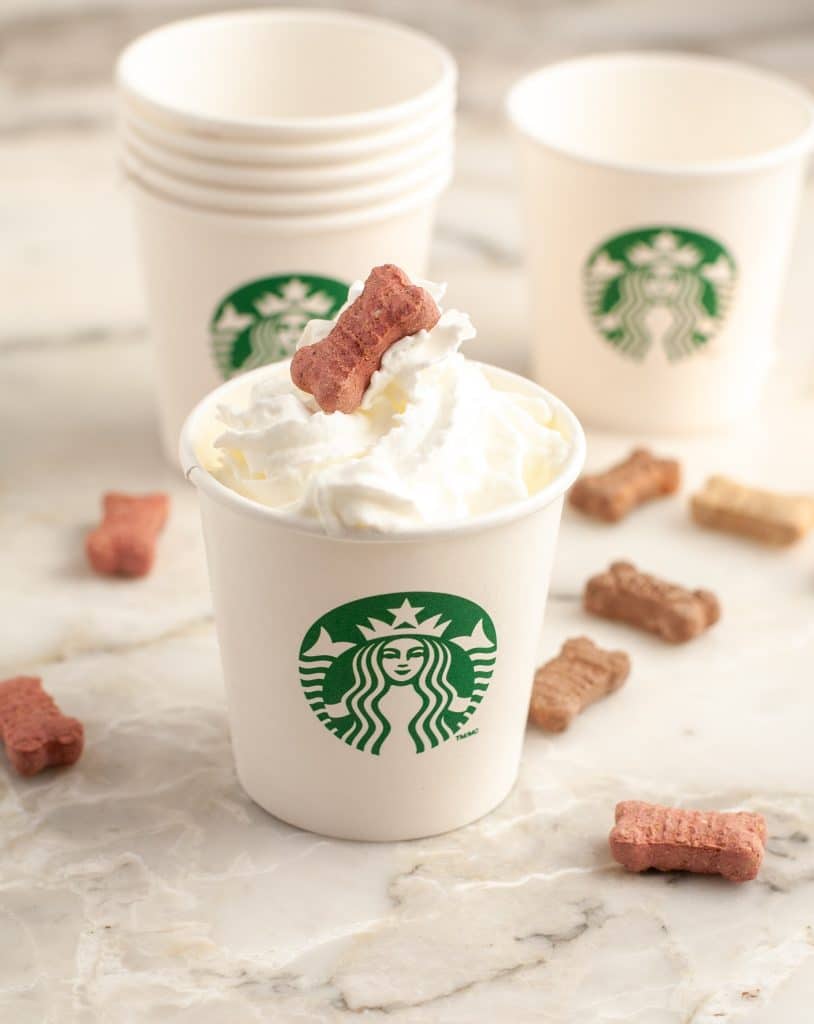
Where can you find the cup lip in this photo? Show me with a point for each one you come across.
(301, 203)
(289, 178)
(336, 220)
(764, 159)
(224, 495)
(291, 154)
(278, 128)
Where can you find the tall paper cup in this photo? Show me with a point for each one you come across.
(228, 292)
(325, 735)
(659, 194)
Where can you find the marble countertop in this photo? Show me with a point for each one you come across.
(142, 885)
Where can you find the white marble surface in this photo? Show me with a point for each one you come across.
(142, 885)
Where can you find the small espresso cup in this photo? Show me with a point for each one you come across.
(659, 196)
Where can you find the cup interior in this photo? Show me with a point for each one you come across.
(662, 111)
(285, 68)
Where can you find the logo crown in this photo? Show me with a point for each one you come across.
(405, 620)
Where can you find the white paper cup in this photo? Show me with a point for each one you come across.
(330, 153)
(659, 194)
(284, 74)
(303, 619)
(288, 203)
(253, 177)
(228, 292)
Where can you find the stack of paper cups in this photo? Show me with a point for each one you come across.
(274, 157)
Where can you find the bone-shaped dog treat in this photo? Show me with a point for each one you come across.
(620, 489)
(766, 516)
(667, 609)
(581, 674)
(705, 842)
(337, 370)
(125, 542)
(35, 732)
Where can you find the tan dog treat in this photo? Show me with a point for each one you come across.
(616, 492)
(34, 731)
(125, 542)
(667, 609)
(337, 370)
(705, 842)
(766, 516)
(580, 675)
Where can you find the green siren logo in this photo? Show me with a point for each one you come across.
(659, 285)
(354, 658)
(261, 322)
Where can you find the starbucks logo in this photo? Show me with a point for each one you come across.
(659, 286)
(261, 322)
(441, 647)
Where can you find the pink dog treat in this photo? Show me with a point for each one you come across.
(616, 492)
(125, 542)
(35, 732)
(580, 675)
(337, 370)
(705, 842)
(667, 609)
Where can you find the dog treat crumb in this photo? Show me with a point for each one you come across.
(705, 842)
(35, 732)
(125, 542)
(667, 609)
(337, 370)
(616, 492)
(766, 516)
(580, 675)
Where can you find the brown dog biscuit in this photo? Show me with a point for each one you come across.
(580, 675)
(667, 609)
(705, 842)
(125, 542)
(35, 732)
(337, 370)
(616, 492)
(766, 516)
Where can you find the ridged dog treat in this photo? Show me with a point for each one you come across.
(580, 675)
(705, 842)
(766, 516)
(616, 492)
(337, 370)
(649, 603)
(124, 543)
(35, 733)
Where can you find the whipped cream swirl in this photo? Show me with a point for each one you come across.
(437, 439)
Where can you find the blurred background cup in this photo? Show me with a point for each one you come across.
(274, 156)
(659, 194)
(282, 621)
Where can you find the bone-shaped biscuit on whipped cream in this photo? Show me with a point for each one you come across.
(672, 839)
(337, 370)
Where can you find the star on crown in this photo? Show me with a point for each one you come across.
(294, 295)
(405, 620)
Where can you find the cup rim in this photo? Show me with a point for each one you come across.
(766, 158)
(224, 495)
(279, 128)
(288, 178)
(311, 204)
(290, 154)
(337, 220)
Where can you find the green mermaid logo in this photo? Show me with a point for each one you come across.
(261, 322)
(441, 646)
(659, 285)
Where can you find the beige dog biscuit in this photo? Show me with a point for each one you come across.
(667, 609)
(766, 516)
(616, 492)
(580, 675)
